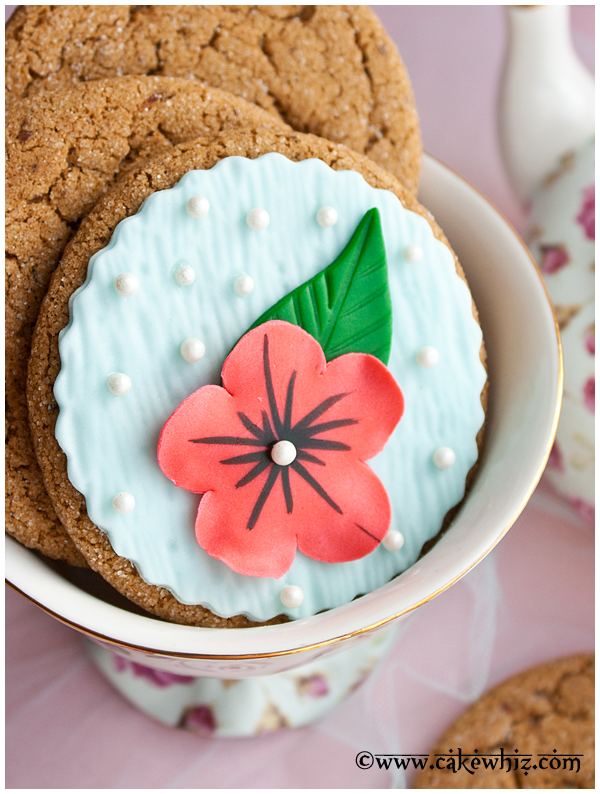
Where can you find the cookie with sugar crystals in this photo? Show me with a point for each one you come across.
(329, 70)
(544, 715)
(63, 150)
(286, 332)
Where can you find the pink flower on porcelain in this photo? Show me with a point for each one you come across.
(587, 213)
(585, 509)
(158, 678)
(589, 394)
(554, 257)
(200, 719)
(555, 461)
(313, 686)
(590, 339)
(257, 509)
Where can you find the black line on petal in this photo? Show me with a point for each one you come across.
(319, 410)
(287, 488)
(301, 455)
(287, 419)
(264, 495)
(253, 473)
(270, 390)
(322, 428)
(269, 435)
(251, 457)
(231, 440)
(249, 425)
(306, 475)
(368, 533)
(324, 443)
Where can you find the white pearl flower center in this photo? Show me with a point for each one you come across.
(283, 453)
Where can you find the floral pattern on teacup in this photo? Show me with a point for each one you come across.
(200, 720)
(158, 678)
(313, 686)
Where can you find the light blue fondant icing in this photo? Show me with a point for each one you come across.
(110, 442)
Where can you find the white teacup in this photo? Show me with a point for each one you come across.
(525, 368)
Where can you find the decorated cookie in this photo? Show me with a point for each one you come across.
(329, 419)
(329, 70)
(562, 240)
(62, 153)
(534, 731)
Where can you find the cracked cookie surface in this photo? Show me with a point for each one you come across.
(547, 708)
(63, 151)
(329, 70)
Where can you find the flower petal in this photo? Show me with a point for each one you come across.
(260, 379)
(331, 536)
(188, 449)
(269, 548)
(371, 397)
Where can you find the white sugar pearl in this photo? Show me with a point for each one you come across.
(243, 285)
(393, 541)
(444, 457)
(118, 384)
(427, 357)
(291, 596)
(257, 219)
(283, 453)
(127, 284)
(123, 502)
(197, 206)
(184, 275)
(326, 217)
(192, 349)
(412, 254)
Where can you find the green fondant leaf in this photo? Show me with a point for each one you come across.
(346, 307)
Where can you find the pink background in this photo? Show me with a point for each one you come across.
(529, 601)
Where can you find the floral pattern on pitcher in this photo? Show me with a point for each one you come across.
(561, 237)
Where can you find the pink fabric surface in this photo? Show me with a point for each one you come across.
(529, 601)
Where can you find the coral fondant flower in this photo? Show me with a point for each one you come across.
(587, 213)
(278, 452)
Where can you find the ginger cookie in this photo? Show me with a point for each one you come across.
(63, 151)
(250, 329)
(535, 730)
(328, 70)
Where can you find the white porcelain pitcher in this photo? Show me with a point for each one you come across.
(546, 95)
(546, 122)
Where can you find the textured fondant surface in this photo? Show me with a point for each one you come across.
(111, 441)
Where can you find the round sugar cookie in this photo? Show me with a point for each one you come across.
(296, 177)
(63, 151)
(329, 70)
(535, 730)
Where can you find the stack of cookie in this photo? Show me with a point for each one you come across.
(211, 222)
